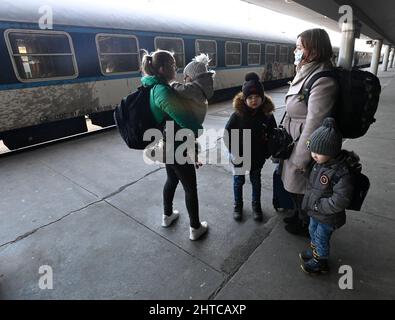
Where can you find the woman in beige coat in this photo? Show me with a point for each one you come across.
(313, 54)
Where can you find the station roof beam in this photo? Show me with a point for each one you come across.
(376, 17)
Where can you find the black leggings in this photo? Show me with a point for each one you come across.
(185, 173)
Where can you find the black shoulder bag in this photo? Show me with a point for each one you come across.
(280, 143)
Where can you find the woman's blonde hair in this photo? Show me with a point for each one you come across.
(151, 64)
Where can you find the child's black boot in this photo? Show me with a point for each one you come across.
(307, 254)
(238, 211)
(257, 210)
(315, 265)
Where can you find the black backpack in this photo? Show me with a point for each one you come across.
(361, 186)
(359, 93)
(133, 117)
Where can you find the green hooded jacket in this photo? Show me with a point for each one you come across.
(164, 101)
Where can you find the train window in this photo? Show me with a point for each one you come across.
(291, 55)
(41, 55)
(118, 53)
(270, 53)
(175, 45)
(283, 54)
(232, 53)
(208, 47)
(254, 54)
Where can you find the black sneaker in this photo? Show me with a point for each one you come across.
(257, 210)
(238, 212)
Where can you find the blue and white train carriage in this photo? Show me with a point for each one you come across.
(51, 80)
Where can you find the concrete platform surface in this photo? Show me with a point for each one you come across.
(90, 209)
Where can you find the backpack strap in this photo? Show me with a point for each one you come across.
(314, 78)
(282, 119)
(281, 125)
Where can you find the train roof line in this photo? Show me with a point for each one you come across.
(128, 17)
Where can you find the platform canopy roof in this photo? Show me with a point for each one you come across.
(376, 16)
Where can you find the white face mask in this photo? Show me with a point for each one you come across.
(298, 56)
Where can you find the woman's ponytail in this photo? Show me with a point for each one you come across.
(151, 63)
(146, 64)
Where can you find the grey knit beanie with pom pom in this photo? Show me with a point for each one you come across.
(327, 139)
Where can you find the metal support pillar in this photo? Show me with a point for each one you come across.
(391, 63)
(386, 57)
(374, 65)
(350, 30)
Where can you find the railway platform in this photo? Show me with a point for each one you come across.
(81, 220)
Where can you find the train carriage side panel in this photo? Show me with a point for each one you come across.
(146, 42)
(244, 53)
(59, 100)
(86, 54)
(221, 53)
(35, 102)
(7, 75)
(263, 56)
(189, 49)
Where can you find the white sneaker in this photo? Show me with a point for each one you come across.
(195, 234)
(168, 220)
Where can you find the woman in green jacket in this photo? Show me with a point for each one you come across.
(159, 69)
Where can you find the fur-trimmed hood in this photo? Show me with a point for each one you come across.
(239, 105)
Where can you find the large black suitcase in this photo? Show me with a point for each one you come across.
(281, 197)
